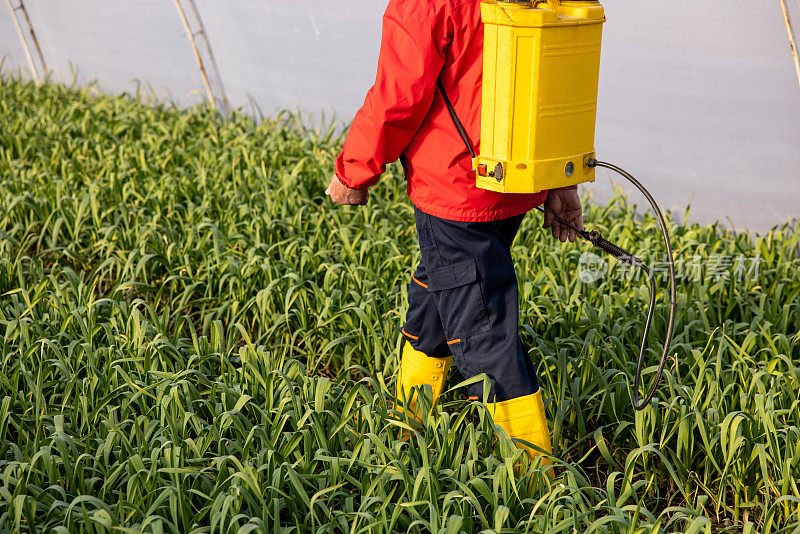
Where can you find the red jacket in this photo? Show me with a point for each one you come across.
(404, 115)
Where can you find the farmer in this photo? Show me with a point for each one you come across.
(463, 298)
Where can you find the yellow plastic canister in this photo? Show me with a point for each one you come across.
(540, 76)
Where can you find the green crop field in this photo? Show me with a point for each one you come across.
(195, 339)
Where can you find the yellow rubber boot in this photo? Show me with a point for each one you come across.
(524, 418)
(417, 369)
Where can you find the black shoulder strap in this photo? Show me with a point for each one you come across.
(460, 127)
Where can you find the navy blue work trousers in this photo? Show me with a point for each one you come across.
(463, 300)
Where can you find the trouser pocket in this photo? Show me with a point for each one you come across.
(423, 327)
(457, 289)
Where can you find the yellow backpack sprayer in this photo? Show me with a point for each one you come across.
(540, 79)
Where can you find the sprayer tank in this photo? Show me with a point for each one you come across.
(540, 81)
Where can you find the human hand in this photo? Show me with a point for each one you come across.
(565, 204)
(341, 194)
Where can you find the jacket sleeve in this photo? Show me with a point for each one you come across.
(411, 58)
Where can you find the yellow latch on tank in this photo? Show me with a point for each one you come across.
(540, 75)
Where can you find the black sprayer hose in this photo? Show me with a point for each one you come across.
(626, 257)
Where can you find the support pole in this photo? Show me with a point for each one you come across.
(792, 39)
(193, 24)
(39, 74)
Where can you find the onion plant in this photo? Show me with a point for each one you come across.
(193, 339)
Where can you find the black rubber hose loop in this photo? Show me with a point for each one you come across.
(672, 293)
(596, 238)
